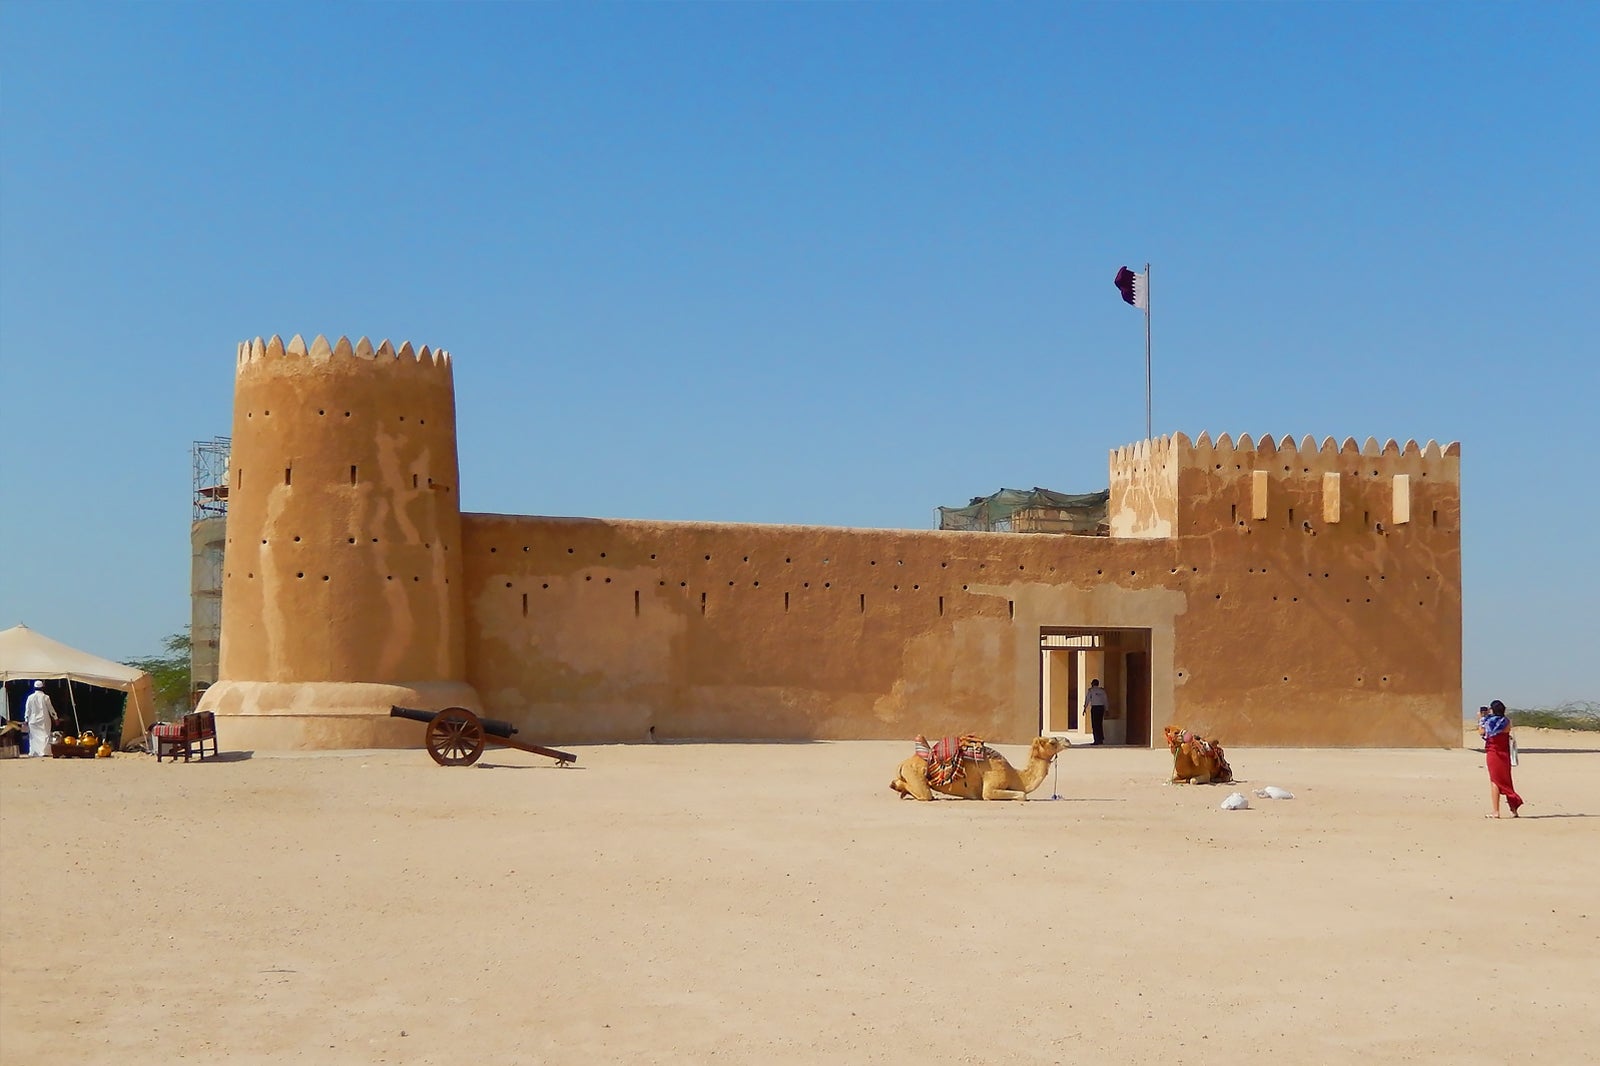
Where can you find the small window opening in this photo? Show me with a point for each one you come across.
(286, 472)
(524, 605)
(352, 474)
(636, 603)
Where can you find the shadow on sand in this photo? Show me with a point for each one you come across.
(221, 756)
(1558, 751)
(1547, 751)
(481, 765)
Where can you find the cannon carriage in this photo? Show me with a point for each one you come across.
(458, 737)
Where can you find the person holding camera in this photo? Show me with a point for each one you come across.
(1495, 729)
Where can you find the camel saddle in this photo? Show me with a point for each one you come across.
(947, 758)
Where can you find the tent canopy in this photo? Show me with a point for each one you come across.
(28, 656)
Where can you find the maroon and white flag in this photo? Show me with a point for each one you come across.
(1135, 288)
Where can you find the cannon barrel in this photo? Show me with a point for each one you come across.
(495, 727)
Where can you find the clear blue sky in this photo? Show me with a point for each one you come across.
(824, 263)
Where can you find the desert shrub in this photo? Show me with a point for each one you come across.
(1574, 714)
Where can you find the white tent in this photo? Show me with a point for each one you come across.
(27, 656)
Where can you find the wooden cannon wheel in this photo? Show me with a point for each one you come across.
(455, 737)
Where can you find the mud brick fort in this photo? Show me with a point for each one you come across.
(1262, 591)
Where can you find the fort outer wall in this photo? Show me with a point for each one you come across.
(1290, 595)
(1271, 586)
(590, 630)
(1326, 609)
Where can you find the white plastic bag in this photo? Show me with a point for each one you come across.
(1513, 743)
(1236, 802)
(1273, 792)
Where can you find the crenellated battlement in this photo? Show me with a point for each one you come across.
(1147, 454)
(259, 350)
(1173, 486)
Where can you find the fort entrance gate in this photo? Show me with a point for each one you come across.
(1070, 658)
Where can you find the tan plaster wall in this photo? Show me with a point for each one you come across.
(1262, 632)
(1308, 631)
(584, 630)
(329, 577)
(1144, 491)
(342, 563)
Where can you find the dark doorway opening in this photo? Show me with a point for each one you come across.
(1071, 657)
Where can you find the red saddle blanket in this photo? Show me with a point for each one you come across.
(948, 757)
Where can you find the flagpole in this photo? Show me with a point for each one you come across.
(1147, 432)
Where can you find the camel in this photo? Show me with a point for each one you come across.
(992, 778)
(1196, 760)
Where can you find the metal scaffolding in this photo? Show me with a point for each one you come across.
(211, 477)
(207, 538)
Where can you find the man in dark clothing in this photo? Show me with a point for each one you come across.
(1094, 704)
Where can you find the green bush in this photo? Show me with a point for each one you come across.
(1575, 714)
(169, 675)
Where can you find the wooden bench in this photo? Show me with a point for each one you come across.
(187, 736)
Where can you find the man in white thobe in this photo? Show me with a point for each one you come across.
(40, 714)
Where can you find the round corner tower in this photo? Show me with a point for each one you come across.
(342, 592)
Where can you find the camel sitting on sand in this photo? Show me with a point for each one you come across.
(990, 777)
(1196, 760)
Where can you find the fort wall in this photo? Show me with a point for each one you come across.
(1328, 600)
(600, 630)
(1267, 592)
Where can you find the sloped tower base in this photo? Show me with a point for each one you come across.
(326, 715)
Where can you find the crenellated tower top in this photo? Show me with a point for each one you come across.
(1175, 486)
(259, 350)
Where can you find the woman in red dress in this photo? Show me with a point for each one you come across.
(1495, 728)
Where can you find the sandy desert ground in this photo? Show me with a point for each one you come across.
(745, 903)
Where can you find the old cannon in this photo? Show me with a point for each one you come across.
(456, 736)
